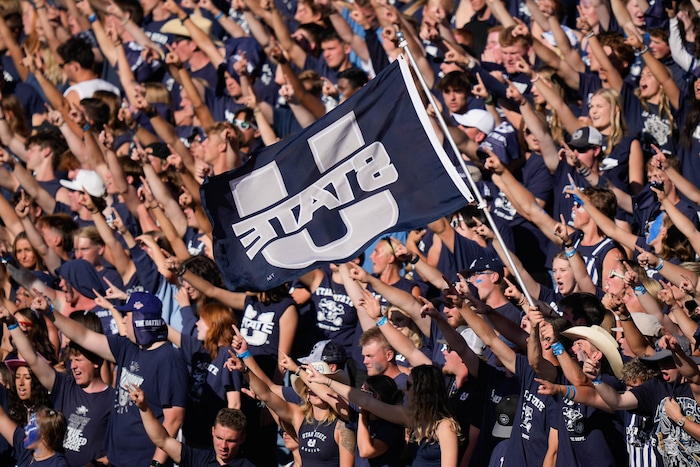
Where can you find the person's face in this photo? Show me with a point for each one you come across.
(290, 443)
(247, 129)
(454, 318)
(477, 4)
(381, 257)
(128, 321)
(23, 298)
(227, 442)
(436, 10)
(584, 349)
(23, 383)
(453, 363)
(202, 329)
(659, 48)
(90, 252)
(34, 156)
(636, 13)
(304, 14)
(483, 281)
(546, 7)
(493, 45)
(474, 134)
(74, 197)
(232, 86)
(669, 371)
(191, 291)
(83, 370)
(28, 16)
(648, 85)
(579, 215)
(615, 281)
(533, 143)
(563, 276)
(599, 111)
(334, 52)
(211, 147)
(654, 174)
(587, 156)
(68, 292)
(455, 99)
(375, 359)
(589, 12)
(25, 254)
(511, 54)
(345, 89)
(148, 5)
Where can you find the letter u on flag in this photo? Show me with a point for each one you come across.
(372, 165)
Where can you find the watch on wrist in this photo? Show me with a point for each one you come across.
(681, 422)
(155, 463)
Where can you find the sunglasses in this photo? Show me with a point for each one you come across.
(243, 125)
(456, 221)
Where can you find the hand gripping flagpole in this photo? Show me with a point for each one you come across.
(403, 43)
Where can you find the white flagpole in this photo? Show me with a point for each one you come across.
(403, 43)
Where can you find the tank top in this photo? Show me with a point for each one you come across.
(317, 445)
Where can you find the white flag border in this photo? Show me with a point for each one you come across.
(430, 131)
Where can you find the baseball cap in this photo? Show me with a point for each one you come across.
(326, 351)
(486, 263)
(476, 118)
(585, 137)
(87, 180)
(505, 415)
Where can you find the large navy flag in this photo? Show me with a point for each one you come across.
(372, 165)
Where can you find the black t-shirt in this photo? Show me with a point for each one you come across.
(191, 457)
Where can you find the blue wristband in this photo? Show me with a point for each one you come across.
(12, 326)
(219, 16)
(382, 321)
(659, 266)
(243, 355)
(571, 253)
(86, 127)
(598, 379)
(640, 290)
(51, 310)
(92, 18)
(557, 348)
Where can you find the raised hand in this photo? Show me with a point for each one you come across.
(113, 292)
(371, 304)
(238, 344)
(137, 396)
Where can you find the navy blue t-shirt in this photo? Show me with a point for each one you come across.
(191, 457)
(25, 457)
(87, 415)
(162, 375)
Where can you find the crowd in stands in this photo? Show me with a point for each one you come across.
(573, 341)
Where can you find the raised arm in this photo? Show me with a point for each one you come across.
(155, 430)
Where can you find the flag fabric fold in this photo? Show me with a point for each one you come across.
(372, 165)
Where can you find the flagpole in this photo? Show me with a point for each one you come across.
(403, 43)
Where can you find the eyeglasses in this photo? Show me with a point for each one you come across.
(243, 125)
(527, 132)
(447, 348)
(391, 245)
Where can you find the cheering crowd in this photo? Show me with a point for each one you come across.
(559, 329)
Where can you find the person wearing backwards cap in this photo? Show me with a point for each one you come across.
(142, 358)
(85, 181)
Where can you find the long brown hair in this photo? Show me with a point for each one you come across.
(220, 318)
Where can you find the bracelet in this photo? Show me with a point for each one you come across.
(243, 355)
(51, 310)
(382, 321)
(598, 379)
(244, 370)
(659, 266)
(640, 290)
(557, 348)
(568, 245)
(182, 271)
(625, 317)
(590, 34)
(155, 463)
(92, 18)
(257, 110)
(522, 302)
(219, 16)
(329, 382)
(12, 326)
(585, 171)
(488, 100)
(87, 127)
(644, 50)
(569, 254)
(537, 77)
(414, 259)
(182, 20)
(298, 371)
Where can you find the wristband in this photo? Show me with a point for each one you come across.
(243, 355)
(488, 100)
(182, 20)
(155, 463)
(644, 50)
(590, 34)
(414, 259)
(659, 266)
(298, 371)
(382, 321)
(92, 18)
(51, 310)
(182, 271)
(557, 348)
(12, 326)
(597, 380)
(569, 254)
(87, 127)
(219, 16)
(640, 290)
(625, 317)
